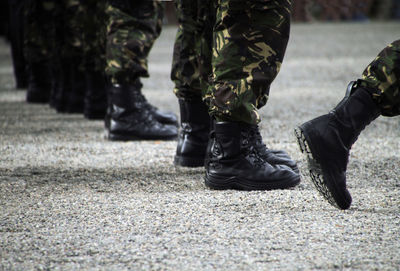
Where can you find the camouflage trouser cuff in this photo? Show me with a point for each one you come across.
(388, 103)
(232, 117)
(221, 118)
(187, 93)
(125, 77)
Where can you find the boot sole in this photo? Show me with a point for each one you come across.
(115, 137)
(188, 161)
(325, 188)
(224, 183)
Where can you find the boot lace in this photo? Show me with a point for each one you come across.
(259, 145)
(250, 145)
(139, 98)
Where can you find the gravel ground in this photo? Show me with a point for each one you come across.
(71, 200)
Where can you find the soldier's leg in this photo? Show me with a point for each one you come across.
(71, 59)
(382, 79)
(191, 63)
(132, 29)
(249, 45)
(4, 19)
(58, 96)
(250, 39)
(39, 38)
(68, 87)
(328, 138)
(94, 21)
(16, 33)
(191, 67)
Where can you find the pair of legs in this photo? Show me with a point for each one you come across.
(226, 55)
(38, 48)
(132, 28)
(327, 139)
(16, 33)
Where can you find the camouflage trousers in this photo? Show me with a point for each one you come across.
(93, 19)
(382, 78)
(40, 31)
(191, 64)
(235, 64)
(66, 29)
(132, 28)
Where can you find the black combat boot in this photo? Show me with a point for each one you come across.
(21, 81)
(56, 83)
(193, 134)
(273, 157)
(39, 83)
(95, 96)
(76, 95)
(327, 140)
(68, 87)
(20, 73)
(128, 118)
(235, 163)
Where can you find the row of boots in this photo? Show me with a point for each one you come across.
(67, 89)
(235, 156)
(232, 153)
(127, 113)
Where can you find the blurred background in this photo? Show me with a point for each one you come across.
(345, 10)
(333, 10)
(303, 11)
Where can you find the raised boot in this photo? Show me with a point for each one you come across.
(129, 118)
(95, 102)
(327, 140)
(193, 134)
(235, 163)
(39, 83)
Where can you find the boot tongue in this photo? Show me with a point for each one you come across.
(137, 99)
(128, 95)
(252, 144)
(256, 138)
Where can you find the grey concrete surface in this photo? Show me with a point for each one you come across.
(70, 200)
